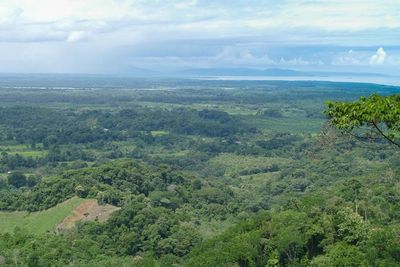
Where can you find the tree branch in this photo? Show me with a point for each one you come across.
(384, 135)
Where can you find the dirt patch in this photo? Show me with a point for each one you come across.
(87, 211)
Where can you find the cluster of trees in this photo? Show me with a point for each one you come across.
(18, 179)
(339, 237)
(14, 161)
(29, 125)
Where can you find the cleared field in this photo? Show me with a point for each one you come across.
(38, 222)
(88, 210)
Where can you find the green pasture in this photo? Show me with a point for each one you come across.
(23, 150)
(38, 222)
(233, 164)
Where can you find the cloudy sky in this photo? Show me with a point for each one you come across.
(118, 36)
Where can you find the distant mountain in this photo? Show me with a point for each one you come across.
(354, 74)
(241, 72)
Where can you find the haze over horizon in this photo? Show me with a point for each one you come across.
(121, 36)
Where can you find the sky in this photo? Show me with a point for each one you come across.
(122, 36)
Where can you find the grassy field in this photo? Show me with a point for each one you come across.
(233, 163)
(23, 150)
(38, 222)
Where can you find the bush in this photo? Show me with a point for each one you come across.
(17, 179)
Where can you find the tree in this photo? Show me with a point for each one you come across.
(352, 189)
(345, 255)
(290, 232)
(17, 179)
(370, 118)
(351, 227)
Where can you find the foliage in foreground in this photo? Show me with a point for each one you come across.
(380, 114)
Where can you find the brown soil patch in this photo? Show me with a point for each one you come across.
(87, 211)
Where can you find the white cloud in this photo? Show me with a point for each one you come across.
(218, 32)
(210, 18)
(350, 58)
(77, 36)
(361, 58)
(378, 58)
(342, 15)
